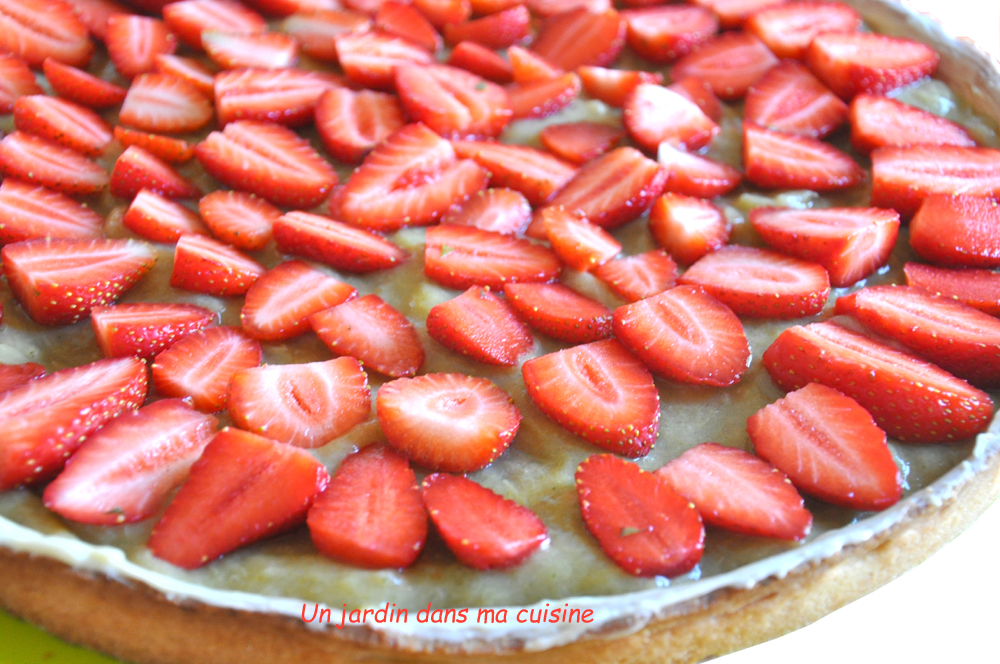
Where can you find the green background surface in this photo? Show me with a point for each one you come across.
(21, 643)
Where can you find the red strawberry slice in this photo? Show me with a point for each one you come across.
(188, 69)
(480, 326)
(581, 37)
(578, 243)
(29, 213)
(664, 33)
(613, 189)
(790, 99)
(160, 219)
(315, 31)
(733, 13)
(686, 335)
(760, 283)
(497, 30)
(188, 19)
(403, 20)
(600, 392)
(789, 28)
(269, 160)
(503, 211)
(735, 490)
(137, 169)
(851, 243)
(352, 123)
(460, 257)
(729, 64)
(200, 365)
(701, 94)
(536, 174)
(238, 218)
(126, 471)
(452, 102)
(783, 161)
(134, 41)
(549, 8)
(204, 265)
(528, 67)
(914, 401)
(16, 375)
(286, 96)
(688, 228)
(337, 244)
(282, 8)
(486, 7)
(305, 405)
(653, 114)
(856, 62)
(694, 175)
(161, 102)
(612, 86)
(641, 523)
(830, 448)
(45, 420)
(59, 281)
(94, 14)
(279, 304)
(977, 288)
(373, 332)
(369, 58)
(903, 177)
(40, 161)
(540, 99)
(447, 421)
(268, 50)
(560, 312)
(34, 31)
(634, 278)
(880, 121)
(165, 148)
(483, 529)
(481, 61)
(372, 514)
(247, 487)
(16, 80)
(440, 12)
(143, 329)
(78, 86)
(579, 142)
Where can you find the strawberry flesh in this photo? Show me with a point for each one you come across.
(773, 160)
(790, 99)
(143, 329)
(957, 231)
(634, 278)
(30, 212)
(204, 265)
(238, 218)
(851, 63)
(979, 289)
(879, 121)
(334, 243)
(688, 228)
(43, 162)
(461, 256)
(480, 326)
(560, 312)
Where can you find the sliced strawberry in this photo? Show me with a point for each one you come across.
(16, 375)
(59, 281)
(137, 169)
(28, 212)
(164, 103)
(653, 114)
(143, 329)
(352, 123)
(200, 365)
(188, 19)
(370, 58)
(830, 448)
(94, 14)
(580, 37)
(790, 99)
(693, 175)
(789, 28)
(170, 150)
(482, 528)
(695, 90)
(613, 189)
(134, 41)
(16, 80)
(529, 67)
(496, 31)
(536, 174)
(460, 257)
(914, 401)
(403, 20)
(373, 332)
(315, 31)
(641, 523)
(204, 265)
(160, 219)
(269, 160)
(40, 161)
(503, 211)
(760, 283)
(880, 121)
(247, 487)
(851, 243)
(578, 243)
(447, 421)
(686, 335)
(45, 420)
(612, 86)
(452, 102)
(43, 29)
(337, 244)
(480, 326)
(783, 161)
(481, 61)
(442, 12)
(549, 8)
(188, 69)
(664, 33)
(729, 64)
(634, 278)
(540, 99)
(733, 13)
(579, 142)
(79, 86)
(735, 490)
(286, 96)
(903, 177)
(283, 8)
(267, 50)
(559, 312)
(856, 62)
(486, 7)
(372, 515)
(688, 228)
(126, 471)
(977, 288)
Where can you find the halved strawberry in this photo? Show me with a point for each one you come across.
(733, 13)
(579, 142)
(372, 514)
(266, 50)
(279, 304)
(735, 490)
(282, 8)
(188, 19)
(496, 31)
(600, 392)
(483, 529)
(143, 329)
(701, 94)
(580, 37)
(549, 8)
(540, 99)
(28, 212)
(79, 86)
(461, 256)
(170, 150)
(729, 64)
(16, 80)
(977, 288)
(612, 86)
(160, 219)
(641, 523)
(694, 175)
(373, 332)
(536, 174)
(238, 218)
(529, 67)
(441, 12)
(613, 189)
(486, 7)
(453, 102)
(352, 123)
(45, 420)
(480, 326)
(204, 265)
(854, 62)
(903, 177)
(16, 375)
(403, 20)
(790, 99)
(187, 69)
(851, 243)
(126, 471)
(634, 278)
(653, 114)
(503, 211)
(161, 102)
(667, 32)
(59, 281)
(43, 29)
(40, 161)
(560, 312)
(94, 14)
(879, 121)
(315, 30)
(370, 58)
(481, 61)
(269, 160)
(247, 487)
(687, 227)
(578, 243)
(285, 96)
(134, 41)
(137, 169)
(337, 244)
(789, 28)
(829, 446)
(447, 421)
(783, 161)
(760, 283)
(200, 365)
(914, 401)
